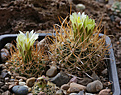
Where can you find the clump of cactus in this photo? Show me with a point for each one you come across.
(116, 7)
(43, 85)
(77, 45)
(26, 59)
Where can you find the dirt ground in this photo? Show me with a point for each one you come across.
(41, 15)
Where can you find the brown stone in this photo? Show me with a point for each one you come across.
(65, 87)
(105, 92)
(30, 82)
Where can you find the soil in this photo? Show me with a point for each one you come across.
(41, 15)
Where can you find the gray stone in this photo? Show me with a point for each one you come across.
(80, 7)
(8, 46)
(94, 86)
(30, 82)
(85, 81)
(5, 74)
(74, 79)
(1, 91)
(95, 76)
(5, 87)
(80, 93)
(52, 71)
(104, 72)
(60, 79)
(4, 54)
(59, 92)
(1, 84)
(6, 93)
(73, 94)
(20, 90)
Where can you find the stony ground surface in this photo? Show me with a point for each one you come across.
(41, 15)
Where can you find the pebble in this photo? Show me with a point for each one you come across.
(74, 87)
(105, 92)
(73, 94)
(52, 71)
(20, 77)
(59, 92)
(74, 79)
(117, 19)
(5, 73)
(1, 84)
(22, 83)
(6, 93)
(95, 76)
(2, 66)
(65, 87)
(4, 54)
(30, 82)
(105, 71)
(42, 93)
(5, 87)
(60, 79)
(85, 81)
(80, 7)
(20, 90)
(8, 46)
(94, 86)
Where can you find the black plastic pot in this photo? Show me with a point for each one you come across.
(112, 71)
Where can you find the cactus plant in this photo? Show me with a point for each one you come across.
(78, 46)
(26, 60)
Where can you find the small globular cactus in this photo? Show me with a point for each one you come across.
(78, 45)
(26, 59)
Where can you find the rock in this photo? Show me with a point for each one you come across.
(22, 83)
(1, 84)
(90, 94)
(1, 91)
(60, 79)
(81, 93)
(7, 93)
(5, 73)
(105, 92)
(30, 82)
(84, 82)
(20, 90)
(94, 86)
(117, 19)
(30, 94)
(73, 94)
(80, 7)
(8, 46)
(6, 79)
(65, 87)
(52, 71)
(42, 93)
(2, 66)
(59, 92)
(74, 87)
(5, 87)
(20, 77)
(4, 54)
(74, 79)
(95, 76)
(104, 72)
